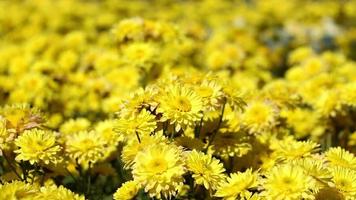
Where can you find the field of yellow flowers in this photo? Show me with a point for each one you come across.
(177, 99)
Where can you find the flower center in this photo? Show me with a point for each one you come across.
(183, 105)
(158, 165)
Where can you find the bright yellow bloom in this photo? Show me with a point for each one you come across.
(127, 191)
(138, 100)
(133, 147)
(316, 168)
(6, 138)
(211, 93)
(85, 148)
(74, 125)
(181, 106)
(237, 185)
(142, 124)
(18, 190)
(159, 170)
(287, 182)
(206, 170)
(20, 117)
(345, 181)
(57, 193)
(291, 149)
(107, 132)
(259, 116)
(340, 157)
(38, 146)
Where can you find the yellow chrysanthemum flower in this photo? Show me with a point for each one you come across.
(57, 193)
(138, 100)
(85, 147)
(142, 124)
(206, 170)
(181, 106)
(287, 182)
(211, 93)
(304, 122)
(17, 190)
(6, 138)
(348, 94)
(74, 126)
(129, 29)
(107, 132)
(352, 139)
(38, 146)
(344, 180)
(340, 157)
(127, 191)
(133, 147)
(290, 149)
(159, 170)
(316, 168)
(259, 116)
(140, 54)
(238, 185)
(20, 117)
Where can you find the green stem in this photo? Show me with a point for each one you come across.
(88, 181)
(211, 139)
(197, 133)
(71, 175)
(138, 137)
(12, 167)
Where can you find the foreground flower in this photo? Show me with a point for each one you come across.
(207, 171)
(38, 146)
(142, 124)
(237, 185)
(17, 190)
(127, 191)
(133, 147)
(345, 181)
(340, 157)
(85, 147)
(159, 170)
(181, 106)
(290, 149)
(287, 182)
(57, 193)
(259, 116)
(6, 138)
(211, 93)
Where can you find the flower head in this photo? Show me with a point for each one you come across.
(18, 190)
(287, 182)
(237, 185)
(181, 106)
(38, 146)
(159, 169)
(143, 123)
(340, 157)
(57, 193)
(127, 191)
(259, 116)
(207, 170)
(133, 147)
(85, 147)
(344, 181)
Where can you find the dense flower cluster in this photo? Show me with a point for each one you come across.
(209, 99)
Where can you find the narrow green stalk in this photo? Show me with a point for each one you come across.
(138, 137)
(12, 167)
(211, 139)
